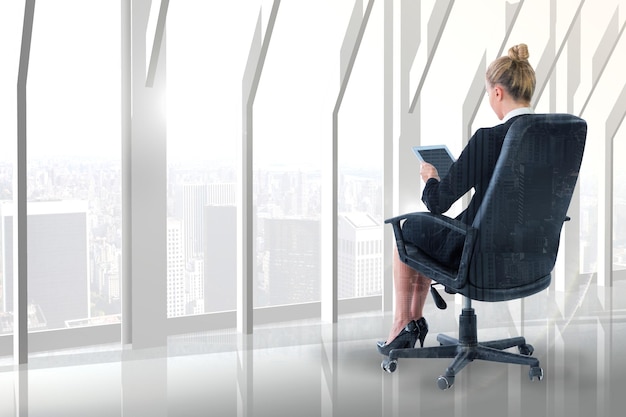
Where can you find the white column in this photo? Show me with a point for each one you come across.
(145, 184)
(245, 218)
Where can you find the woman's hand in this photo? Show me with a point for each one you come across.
(428, 171)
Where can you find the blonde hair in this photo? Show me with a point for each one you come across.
(514, 73)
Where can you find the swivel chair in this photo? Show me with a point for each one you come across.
(510, 249)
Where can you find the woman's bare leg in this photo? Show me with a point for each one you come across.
(411, 289)
(421, 287)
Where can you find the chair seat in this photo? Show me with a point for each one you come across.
(448, 277)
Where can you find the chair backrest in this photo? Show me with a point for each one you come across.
(520, 219)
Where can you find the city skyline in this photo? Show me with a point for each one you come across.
(284, 196)
(281, 194)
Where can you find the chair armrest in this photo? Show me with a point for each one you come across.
(397, 231)
(437, 273)
(447, 222)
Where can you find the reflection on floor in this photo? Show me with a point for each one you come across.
(313, 369)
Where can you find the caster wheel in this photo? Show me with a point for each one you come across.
(526, 349)
(535, 372)
(445, 382)
(389, 366)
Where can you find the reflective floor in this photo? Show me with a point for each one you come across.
(312, 369)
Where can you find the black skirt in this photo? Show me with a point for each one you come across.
(439, 242)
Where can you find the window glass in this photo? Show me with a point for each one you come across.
(74, 177)
(292, 135)
(361, 136)
(207, 45)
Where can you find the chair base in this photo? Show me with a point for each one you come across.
(466, 349)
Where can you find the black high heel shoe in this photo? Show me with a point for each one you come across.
(422, 327)
(405, 339)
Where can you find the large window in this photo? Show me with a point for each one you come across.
(292, 115)
(74, 199)
(207, 44)
(292, 123)
(79, 83)
(361, 136)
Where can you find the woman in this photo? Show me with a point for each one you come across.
(510, 84)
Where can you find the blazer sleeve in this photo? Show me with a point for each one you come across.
(464, 174)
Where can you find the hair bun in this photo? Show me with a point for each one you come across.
(519, 52)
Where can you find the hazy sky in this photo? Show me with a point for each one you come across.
(74, 76)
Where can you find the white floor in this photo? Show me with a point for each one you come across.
(313, 369)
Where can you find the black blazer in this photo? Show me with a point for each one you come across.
(473, 169)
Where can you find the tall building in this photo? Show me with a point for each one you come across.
(292, 260)
(106, 270)
(194, 286)
(221, 194)
(220, 258)
(360, 255)
(58, 273)
(175, 269)
(206, 252)
(190, 200)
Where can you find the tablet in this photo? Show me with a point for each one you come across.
(437, 155)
